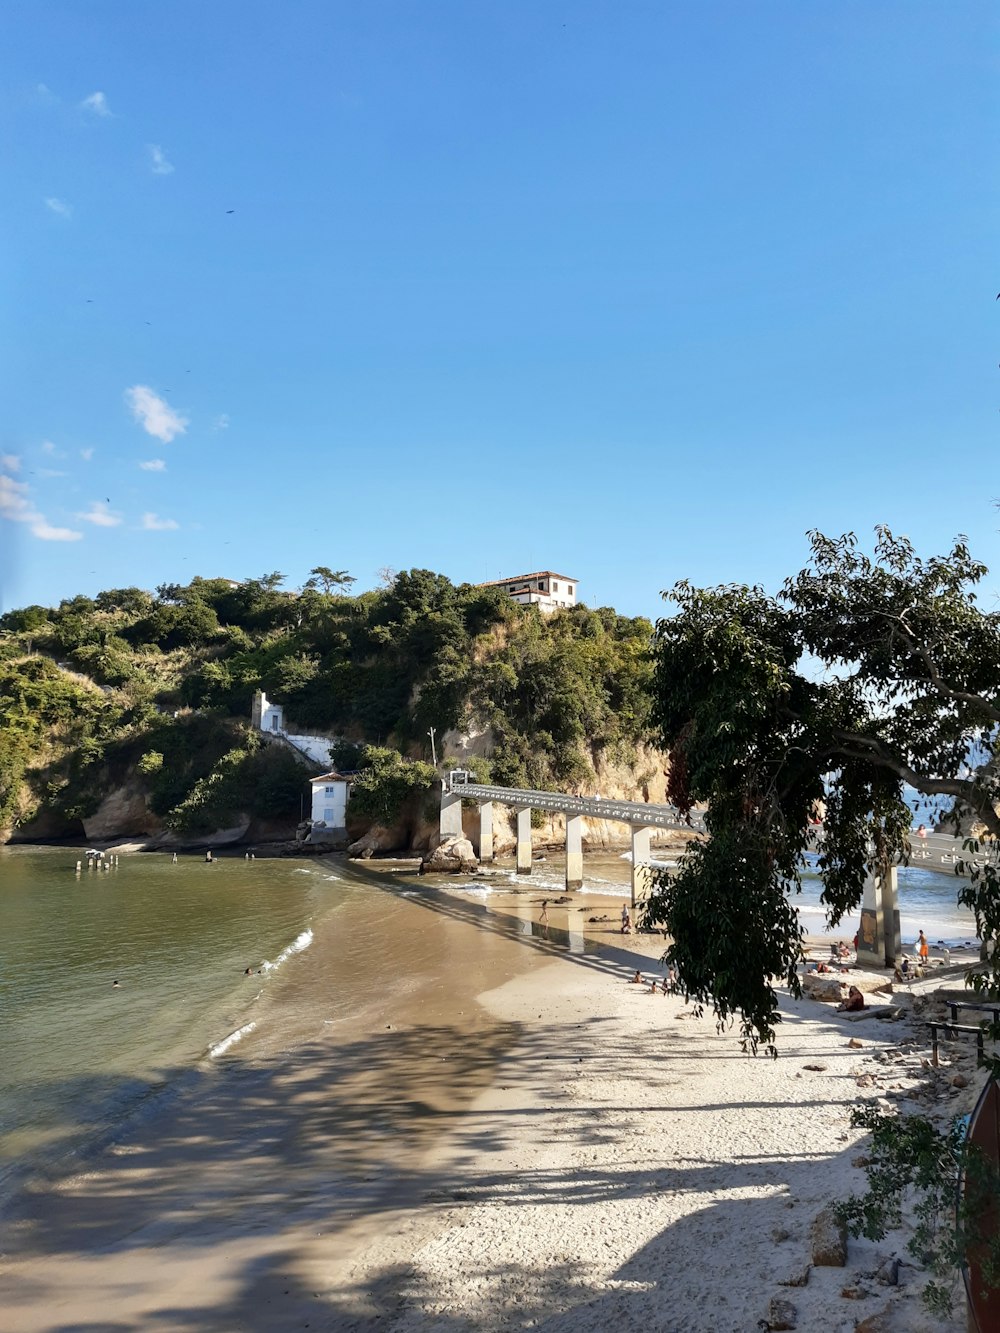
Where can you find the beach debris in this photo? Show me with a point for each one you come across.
(817, 1069)
(880, 1322)
(888, 1274)
(855, 1044)
(796, 1277)
(781, 1314)
(959, 1081)
(852, 1292)
(828, 1240)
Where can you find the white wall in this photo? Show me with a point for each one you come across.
(329, 803)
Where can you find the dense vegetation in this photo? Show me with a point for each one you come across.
(864, 674)
(156, 688)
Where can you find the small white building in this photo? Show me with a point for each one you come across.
(330, 794)
(545, 589)
(266, 716)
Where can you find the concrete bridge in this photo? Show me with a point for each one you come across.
(642, 818)
(879, 941)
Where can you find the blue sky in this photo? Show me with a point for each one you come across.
(633, 291)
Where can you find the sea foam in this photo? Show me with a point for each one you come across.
(222, 1046)
(297, 945)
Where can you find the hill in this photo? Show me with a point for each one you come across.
(146, 696)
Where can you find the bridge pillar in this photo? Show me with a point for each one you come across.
(642, 874)
(879, 942)
(451, 814)
(486, 831)
(523, 866)
(574, 852)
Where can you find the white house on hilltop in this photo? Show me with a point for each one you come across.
(545, 589)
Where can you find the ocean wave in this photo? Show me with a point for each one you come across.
(302, 941)
(222, 1046)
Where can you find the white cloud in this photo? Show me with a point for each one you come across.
(221, 421)
(153, 465)
(17, 507)
(47, 533)
(59, 206)
(97, 103)
(86, 454)
(49, 448)
(158, 163)
(10, 462)
(101, 515)
(153, 523)
(14, 502)
(156, 417)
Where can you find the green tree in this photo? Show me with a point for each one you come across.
(329, 579)
(862, 675)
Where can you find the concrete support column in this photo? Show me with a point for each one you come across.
(451, 814)
(524, 841)
(574, 853)
(642, 874)
(879, 942)
(486, 832)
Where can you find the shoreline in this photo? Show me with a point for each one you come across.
(521, 1137)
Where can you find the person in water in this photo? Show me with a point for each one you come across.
(248, 971)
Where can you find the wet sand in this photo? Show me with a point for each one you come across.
(512, 1136)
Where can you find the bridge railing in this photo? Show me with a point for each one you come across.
(640, 814)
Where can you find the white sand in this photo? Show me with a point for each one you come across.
(632, 1169)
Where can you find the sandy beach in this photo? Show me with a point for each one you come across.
(523, 1140)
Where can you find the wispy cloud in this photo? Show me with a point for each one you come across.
(153, 465)
(53, 452)
(158, 163)
(51, 472)
(101, 515)
(47, 533)
(59, 207)
(44, 93)
(221, 421)
(156, 417)
(97, 103)
(86, 454)
(10, 462)
(16, 505)
(153, 523)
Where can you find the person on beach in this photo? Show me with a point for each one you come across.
(626, 920)
(855, 1001)
(672, 978)
(922, 948)
(637, 979)
(922, 831)
(544, 918)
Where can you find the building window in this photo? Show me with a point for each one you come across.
(555, 586)
(541, 585)
(511, 588)
(569, 589)
(328, 791)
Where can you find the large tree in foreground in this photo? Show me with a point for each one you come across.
(862, 675)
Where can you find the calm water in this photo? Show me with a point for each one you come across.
(77, 1051)
(78, 1054)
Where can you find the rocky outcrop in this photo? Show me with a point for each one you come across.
(122, 814)
(453, 855)
(379, 839)
(223, 837)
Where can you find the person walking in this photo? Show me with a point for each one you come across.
(922, 948)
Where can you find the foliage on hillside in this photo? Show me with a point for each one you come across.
(176, 671)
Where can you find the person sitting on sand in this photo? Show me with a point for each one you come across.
(637, 979)
(653, 983)
(843, 951)
(854, 1001)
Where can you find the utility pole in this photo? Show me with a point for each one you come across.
(434, 756)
